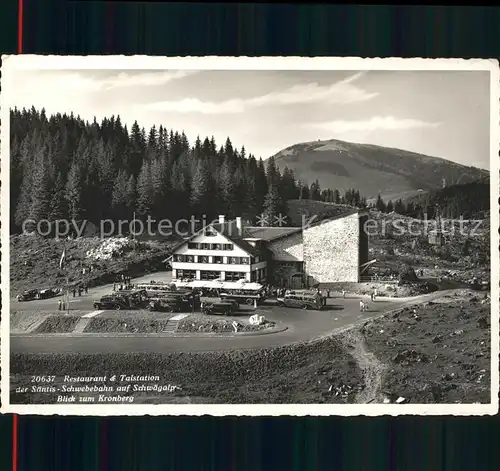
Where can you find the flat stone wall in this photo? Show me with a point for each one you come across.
(332, 250)
(288, 249)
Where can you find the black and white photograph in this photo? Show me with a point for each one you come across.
(249, 236)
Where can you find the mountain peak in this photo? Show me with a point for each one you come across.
(372, 169)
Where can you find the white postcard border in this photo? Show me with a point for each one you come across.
(38, 62)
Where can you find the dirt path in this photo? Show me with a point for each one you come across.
(373, 370)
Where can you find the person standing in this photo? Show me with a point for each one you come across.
(59, 305)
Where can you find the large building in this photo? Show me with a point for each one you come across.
(327, 251)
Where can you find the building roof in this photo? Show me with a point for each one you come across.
(229, 229)
(297, 210)
(271, 233)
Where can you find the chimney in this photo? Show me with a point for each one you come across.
(221, 218)
(239, 225)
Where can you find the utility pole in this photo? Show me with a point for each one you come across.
(133, 233)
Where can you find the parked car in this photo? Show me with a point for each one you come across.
(170, 304)
(222, 308)
(48, 293)
(28, 295)
(304, 300)
(121, 300)
(234, 302)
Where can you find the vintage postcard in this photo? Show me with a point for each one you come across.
(249, 236)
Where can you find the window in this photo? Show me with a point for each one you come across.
(209, 275)
(184, 258)
(253, 276)
(203, 259)
(218, 259)
(216, 246)
(234, 275)
(210, 233)
(192, 245)
(205, 246)
(256, 260)
(238, 260)
(186, 274)
(227, 246)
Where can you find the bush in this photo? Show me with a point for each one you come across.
(407, 274)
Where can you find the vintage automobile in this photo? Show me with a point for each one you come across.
(122, 300)
(222, 308)
(302, 299)
(28, 295)
(48, 293)
(235, 303)
(174, 302)
(167, 305)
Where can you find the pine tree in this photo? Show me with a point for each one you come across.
(272, 173)
(399, 207)
(379, 204)
(74, 192)
(273, 206)
(336, 196)
(180, 193)
(227, 188)
(315, 191)
(200, 195)
(261, 186)
(58, 209)
(137, 149)
(145, 191)
(119, 203)
(131, 195)
(288, 187)
(40, 191)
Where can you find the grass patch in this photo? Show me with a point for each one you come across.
(57, 324)
(207, 324)
(125, 324)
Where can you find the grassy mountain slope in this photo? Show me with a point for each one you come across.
(372, 169)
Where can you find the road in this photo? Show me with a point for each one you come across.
(300, 326)
(85, 301)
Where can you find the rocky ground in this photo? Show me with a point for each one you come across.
(437, 352)
(397, 239)
(34, 260)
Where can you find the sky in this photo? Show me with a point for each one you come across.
(439, 113)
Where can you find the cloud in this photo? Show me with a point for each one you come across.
(388, 123)
(78, 81)
(342, 92)
(146, 79)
